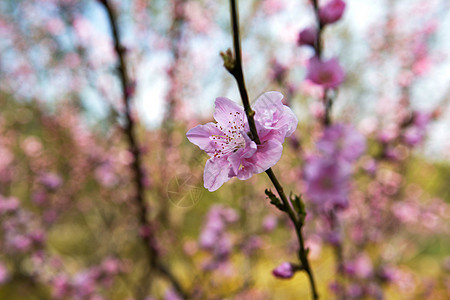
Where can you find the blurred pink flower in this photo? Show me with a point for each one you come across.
(327, 176)
(60, 287)
(270, 222)
(355, 291)
(171, 295)
(284, 271)
(271, 7)
(213, 235)
(331, 12)
(4, 274)
(21, 243)
(307, 37)
(328, 74)
(50, 180)
(343, 141)
(360, 267)
(327, 181)
(416, 132)
(227, 142)
(8, 204)
(111, 266)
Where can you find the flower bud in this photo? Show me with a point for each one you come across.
(331, 12)
(284, 271)
(307, 37)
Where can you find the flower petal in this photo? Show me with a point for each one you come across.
(274, 120)
(216, 173)
(268, 99)
(200, 136)
(267, 155)
(236, 158)
(226, 111)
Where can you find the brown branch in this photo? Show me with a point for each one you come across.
(147, 235)
(326, 122)
(318, 44)
(234, 66)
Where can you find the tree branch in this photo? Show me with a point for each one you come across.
(147, 233)
(234, 66)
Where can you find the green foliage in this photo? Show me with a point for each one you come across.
(274, 200)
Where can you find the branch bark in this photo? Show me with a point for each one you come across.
(147, 233)
(234, 66)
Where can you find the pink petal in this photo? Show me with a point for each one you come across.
(328, 74)
(236, 158)
(200, 136)
(225, 111)
(268, 100)
(267, 155)
(216, 173)
(274, 119)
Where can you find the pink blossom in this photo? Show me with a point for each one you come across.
(227, 142)
(331, 12)
(60, 287)
(369, 165)
(4, 274)
(355, 291)
(361, 266)
(284, 271)
(21, 243)
(111, 266)
(213, 236)
(327, 181)
(343, 141)
(416, 132)
(307, 37)
(270, 222)
(271, 7)
(50, 180)
(251, 244)
(8, 204)
(385, 273)
(328, 74)
(84, 282)
(413, 136)
(171, 295)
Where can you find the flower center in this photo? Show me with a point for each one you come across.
(231, 139)
(325, 76)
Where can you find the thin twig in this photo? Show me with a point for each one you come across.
(147, 235)
(235, 68)
(318, 47)
(326, 121)
(318, 44)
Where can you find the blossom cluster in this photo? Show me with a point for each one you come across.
(214, 238)
(88, 283)
(328, 173)
(20, 234)
(327, 73)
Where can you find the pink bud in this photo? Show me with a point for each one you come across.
(331, 12)
(269, 223)
(284, 271)
(328, 74)
(307, 37)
